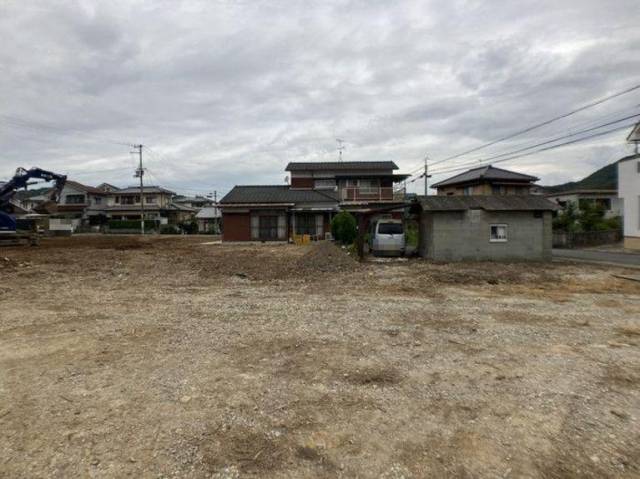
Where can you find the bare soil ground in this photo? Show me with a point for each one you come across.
(166, 357)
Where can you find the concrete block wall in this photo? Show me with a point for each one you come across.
(465, 235)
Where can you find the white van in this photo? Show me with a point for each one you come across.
(387, 237)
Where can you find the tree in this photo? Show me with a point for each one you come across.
(344, 228)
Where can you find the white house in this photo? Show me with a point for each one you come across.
(629, 192)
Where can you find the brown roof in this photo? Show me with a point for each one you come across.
(85, 188)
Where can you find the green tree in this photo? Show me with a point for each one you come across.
(567, 220)
(344, 228)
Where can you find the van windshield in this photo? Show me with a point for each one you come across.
(390, 229)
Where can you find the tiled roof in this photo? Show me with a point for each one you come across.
(88, 189)
(146, 189)
(341, 165)
(277, 194)
(489, 203)
(485, 173)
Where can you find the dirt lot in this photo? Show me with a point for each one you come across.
(166, 357)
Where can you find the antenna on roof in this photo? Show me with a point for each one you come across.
(340, 148)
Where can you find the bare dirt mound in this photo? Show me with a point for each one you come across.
(325, 257)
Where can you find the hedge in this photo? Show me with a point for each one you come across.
(132, 224)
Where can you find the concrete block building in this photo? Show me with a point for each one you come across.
(478, 228)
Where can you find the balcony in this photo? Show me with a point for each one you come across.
(366, 194)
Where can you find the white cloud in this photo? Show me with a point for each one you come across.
(228, 92)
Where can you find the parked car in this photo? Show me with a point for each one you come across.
(387, 238)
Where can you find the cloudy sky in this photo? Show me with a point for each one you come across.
(227, 92)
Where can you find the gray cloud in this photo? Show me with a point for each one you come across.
(228, 92)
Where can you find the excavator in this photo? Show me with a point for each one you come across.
(14, 231)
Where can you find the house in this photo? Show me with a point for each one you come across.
(317, 191)
(478, 228)
(486, 180)
(125, 203)
(76, 204)
(276, 212)
(629, 193)
(599, 188)
(194, 201)
(607, 199)
(209, 220)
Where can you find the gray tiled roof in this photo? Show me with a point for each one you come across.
(277, 194)
(146, 189)
(341, 165)
(489, 203)
(485, 173)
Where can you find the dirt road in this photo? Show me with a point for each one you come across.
(166, 357)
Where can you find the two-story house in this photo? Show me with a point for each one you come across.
(125, 203)
(77, 203)
(487, 180)
(306, 206)
(629, 193)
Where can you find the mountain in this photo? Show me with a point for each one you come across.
(605, 178)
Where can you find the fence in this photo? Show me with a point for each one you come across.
(564, 239)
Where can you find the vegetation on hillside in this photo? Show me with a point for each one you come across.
(605, 178)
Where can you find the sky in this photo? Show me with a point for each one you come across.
(228, 92)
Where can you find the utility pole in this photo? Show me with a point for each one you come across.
(426, 176)
(215, 197)
(340, 148)
(140, 174)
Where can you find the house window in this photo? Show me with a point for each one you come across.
(324, 184)
(150, 199)
(604, 203)
(97, 200)
(117, 200)
(467, 190)
(74, 199)
(306, 225)
(498, 234)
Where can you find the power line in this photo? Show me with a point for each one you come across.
(524, 148)
(553, 140)
(548, 148)
(541, 124)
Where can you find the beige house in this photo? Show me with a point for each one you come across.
(487, 181)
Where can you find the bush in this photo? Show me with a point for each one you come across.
(169, 230)
(344, 228)
(132, 225)
(190, 227)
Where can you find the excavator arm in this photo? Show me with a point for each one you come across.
(21, 180)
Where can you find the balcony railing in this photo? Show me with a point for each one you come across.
(356, 193)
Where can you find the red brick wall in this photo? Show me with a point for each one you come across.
(301, 182)
(236, 227)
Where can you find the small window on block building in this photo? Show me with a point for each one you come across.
(498, 234)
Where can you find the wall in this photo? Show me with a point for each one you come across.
(485, 189)
(236, 226)
(629, 191)
(297, 182)
(464, 235)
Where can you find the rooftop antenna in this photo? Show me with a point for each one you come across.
(340, 148)
(634, 136)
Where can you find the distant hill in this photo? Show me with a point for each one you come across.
(605, 178)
